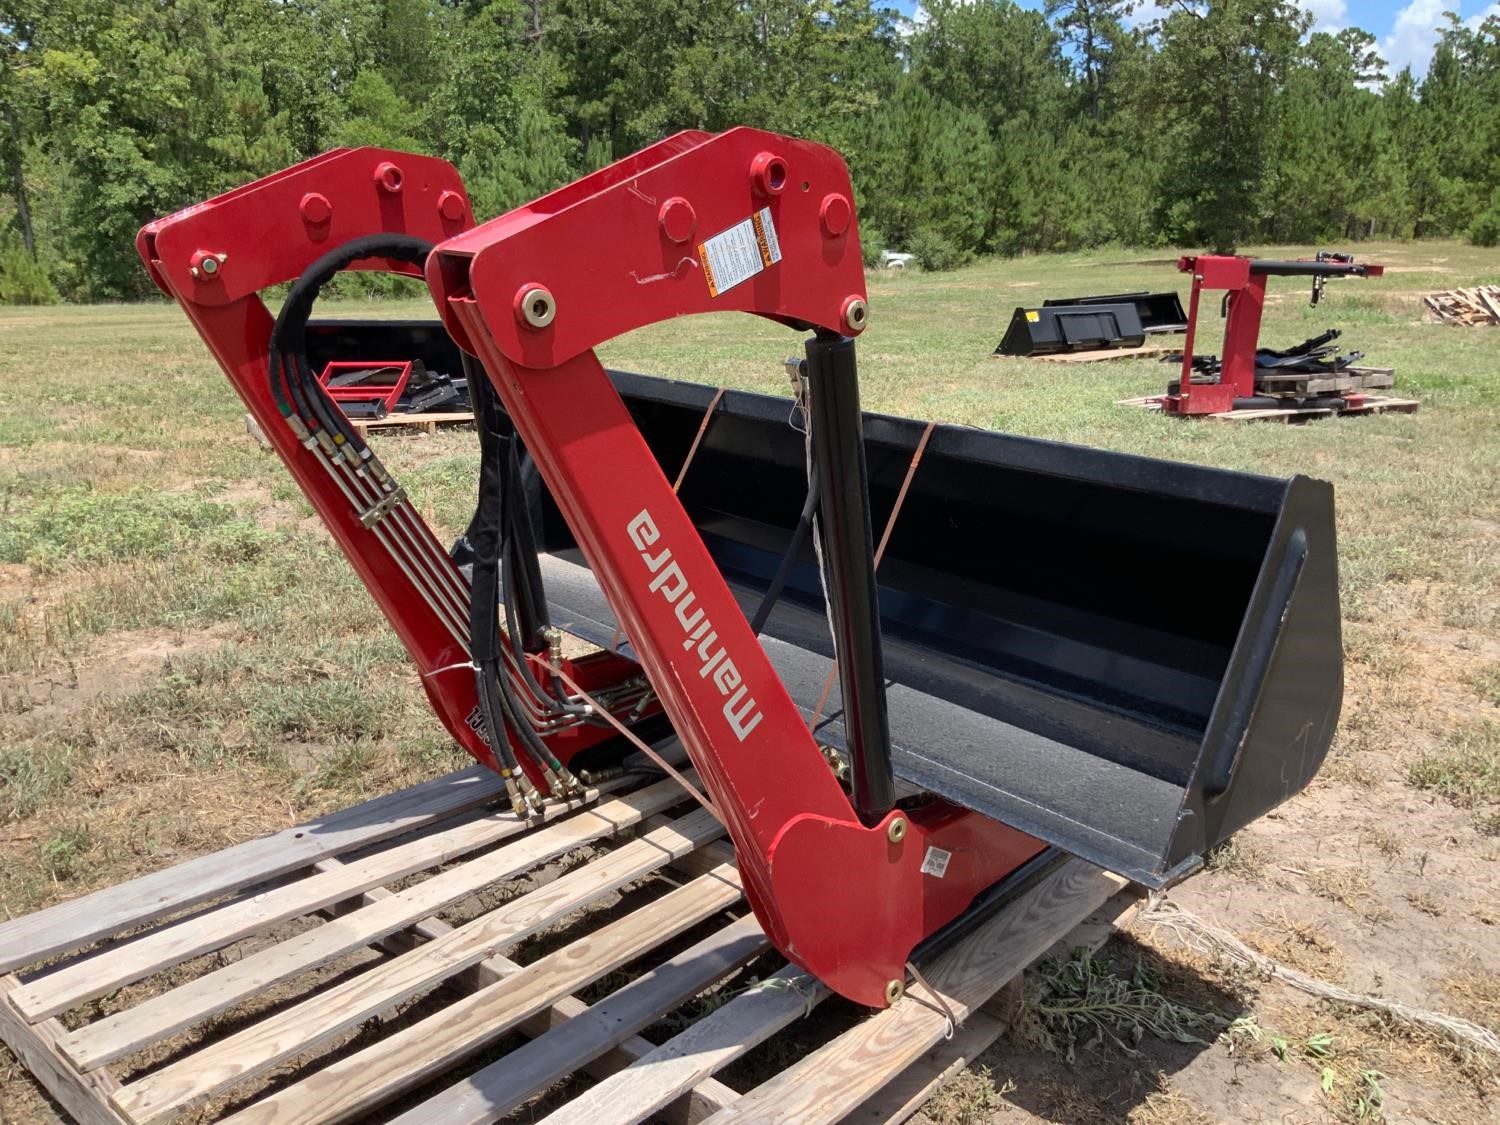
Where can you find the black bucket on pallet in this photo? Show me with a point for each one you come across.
(1127, 658)
(1071, 328)
(1159, 312)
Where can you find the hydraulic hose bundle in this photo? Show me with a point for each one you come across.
(511, 700)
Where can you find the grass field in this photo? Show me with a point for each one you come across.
(186, 661)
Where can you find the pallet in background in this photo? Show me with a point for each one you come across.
(1095, 356)
(1373, 404)
(365, 961)
(1350, 379)
(1479, 305)
(422, 423)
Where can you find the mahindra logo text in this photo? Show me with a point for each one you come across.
(669, 581)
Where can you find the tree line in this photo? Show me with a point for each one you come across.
(983, 127)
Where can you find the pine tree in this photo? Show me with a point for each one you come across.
(1217, 75)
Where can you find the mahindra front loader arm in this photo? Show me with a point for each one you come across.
(1050, 651)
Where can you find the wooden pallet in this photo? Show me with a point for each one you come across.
(1480, 305)
(416, 958)
(422, 423)
(1350, 379)
(1095, 356)
(1373, 404)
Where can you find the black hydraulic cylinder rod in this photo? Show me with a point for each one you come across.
(1275, 268)
(849, 560)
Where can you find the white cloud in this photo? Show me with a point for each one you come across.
(1478, 18)
(1328, 15)
(1414, 36)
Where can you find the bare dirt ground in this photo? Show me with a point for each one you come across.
(186, 662)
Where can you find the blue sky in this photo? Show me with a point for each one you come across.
(1405, 28)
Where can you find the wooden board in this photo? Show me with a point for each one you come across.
(420, 423)
(1096, 356)
(288, 980)
(1373, 404)
(1480, 305)
(1350, 379)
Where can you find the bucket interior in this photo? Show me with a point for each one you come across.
(1060, 623)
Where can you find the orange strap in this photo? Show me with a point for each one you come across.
(885, 538)
(697, 439)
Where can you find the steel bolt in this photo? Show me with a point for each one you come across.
(856, 314)
(315, 207)
(896, 830)
(535, 306)
(835, 213)
(678, 219)
(768, 173)
(894, 990)
(205, 263)
(388, 176)
(451, 206)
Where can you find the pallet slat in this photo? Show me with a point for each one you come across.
(502, 1086)
(82, 920)
(904, 1094)
(171, 945)
(407, 1057)
(424, 423)
(294, 1055)
(705, 1048)
(705, 1098)
(832, 1081)
(1095, 356)
(307, 1025)
(163, 1015)
(87, 1098)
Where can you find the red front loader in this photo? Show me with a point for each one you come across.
(913, 665)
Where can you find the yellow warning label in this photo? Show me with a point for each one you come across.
(739, 253)
(1033, 316)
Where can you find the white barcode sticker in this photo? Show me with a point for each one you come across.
(739, 253)
(935, 862)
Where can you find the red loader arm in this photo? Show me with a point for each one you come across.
(743, 221)
(214, 259)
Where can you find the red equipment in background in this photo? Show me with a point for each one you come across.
(1243, 281)
(382, 394)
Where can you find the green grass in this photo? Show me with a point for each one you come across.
(1468, 772)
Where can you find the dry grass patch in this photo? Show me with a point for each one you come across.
(1475, 992)
(1467, 771)
(1239, 855)
(971, 1098)
(1167, 1105)
(1350, 887)
(1301, 946)
(1421, 900)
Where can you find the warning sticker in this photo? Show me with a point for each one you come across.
(935, 863)
(739, 253)
(1033, 316)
